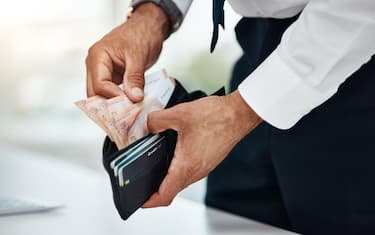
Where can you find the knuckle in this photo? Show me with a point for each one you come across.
(93, 49)
(136, 79)
(91, 52)
(98, 88)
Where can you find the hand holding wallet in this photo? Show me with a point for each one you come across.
(136, 161)
(137, 170)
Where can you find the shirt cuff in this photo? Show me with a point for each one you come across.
(277, 94)
(183, 5)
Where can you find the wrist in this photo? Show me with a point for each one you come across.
(242, 114)
(154, 17)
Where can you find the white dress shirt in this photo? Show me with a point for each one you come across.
(330, 40)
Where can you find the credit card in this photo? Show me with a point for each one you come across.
(144, 163)
(132, 157)
(119, 158)
(135, 150)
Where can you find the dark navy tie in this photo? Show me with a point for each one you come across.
(218, 19)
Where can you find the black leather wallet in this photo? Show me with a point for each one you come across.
(151, 170)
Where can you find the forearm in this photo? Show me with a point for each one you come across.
(153, 17)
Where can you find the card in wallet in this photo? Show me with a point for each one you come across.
(140, 165)
(132, 153)
(137, 170)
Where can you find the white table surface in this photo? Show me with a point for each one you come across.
(89, 209)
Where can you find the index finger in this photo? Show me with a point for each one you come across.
(99, 67)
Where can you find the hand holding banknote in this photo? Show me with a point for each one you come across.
(124, 121)
(123, 55)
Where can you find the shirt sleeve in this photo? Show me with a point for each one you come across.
(183, 5)
(330, 41)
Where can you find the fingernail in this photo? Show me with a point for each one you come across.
(137, 93)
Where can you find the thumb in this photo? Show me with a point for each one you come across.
(161, 120)
(134, 80)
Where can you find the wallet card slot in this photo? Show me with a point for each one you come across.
(110, 151)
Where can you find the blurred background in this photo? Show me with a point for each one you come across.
(43, 45)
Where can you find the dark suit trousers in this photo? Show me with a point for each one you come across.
(317, 177)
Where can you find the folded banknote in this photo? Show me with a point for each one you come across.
(124, 121)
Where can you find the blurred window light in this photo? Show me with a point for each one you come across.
(37, 11)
